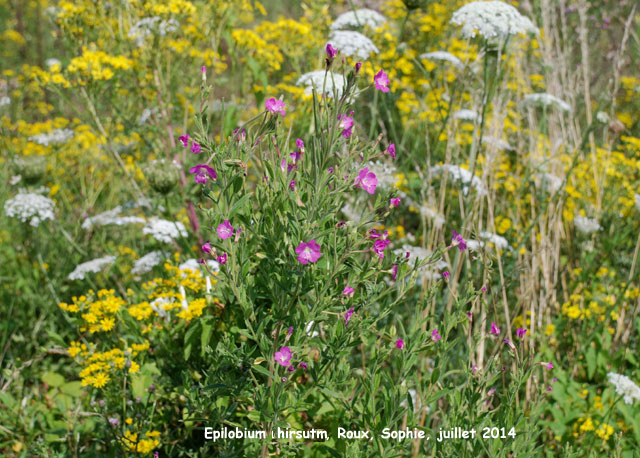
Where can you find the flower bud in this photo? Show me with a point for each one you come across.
(162, 175)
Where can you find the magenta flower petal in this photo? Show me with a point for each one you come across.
(203, 173)
(394, 202)
(225, 230)
(347, 316)
(435, 336)
(283, 356)
(308, 252)
(381, 81)
(400, 344)
(494, 329)
(348, 291)
(195, 148)
(367, 180)
(275, 106)
(391, 149)
(184, 139)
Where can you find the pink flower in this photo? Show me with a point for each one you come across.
(458, 240)
(347, 316)
(367, 180)
(184, 139)
(225, 229)
(275, 106)
(549, 366)
(445, 274)
(391, 149)
(379, 246)
(203, 173)
(195, 148)
(207, 247)
(348, 291)
(283, 356)
(394, 272)
(331, 52)
(300, 144)
(400, 344)
(308, 252)
(494, 329)
(520, 332)
(346, 133)
(474, 369)
(222, 259)
(346, 122)
(394, 202)
(357, 67)
(435, 336)
(292, 185)
(290, 331)
(381, 80)
(295, 156)
(303, 365)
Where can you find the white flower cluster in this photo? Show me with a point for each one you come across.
(157, 305)
(95, 266)
(316, 80)
(111, 217)
(542, 99)
(165, 231)
(636, 198)
(549, 182)
(51, 61)
(53, 138)
(491, 20)
(465, 115)
(384, 173)
(148, 262)
(625, 387)
(28, 206)
(5, 101)
(462, 175)
(586, 225)
(146, 114)
(417, 254)
(425, 210)
(496, 143)
(443, 56)
(352, 44)
(144, 28)
(358, 18)
(498, 241)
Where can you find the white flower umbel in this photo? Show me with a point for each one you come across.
(358, 18)
(498, 241)
(29, 207)
(54, 137)
(148, 262)
(94, 266)
(442, 56)
(465, 115)
(461, 175)
(165, 231)
(352, 44)
(491, 20)
(144, 28)
(111, 217)
(625, 387)
(145, 115)
(384, 173)
(51, 61)
(586, 225)
(496, 143)
(5, 101)
(316, 80)
(542, 99)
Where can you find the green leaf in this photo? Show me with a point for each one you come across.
(591, 362)
(263, 371)
(52, 379)
(72, 388)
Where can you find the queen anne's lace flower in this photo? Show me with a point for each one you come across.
(443, 56)
(190, 264)
(95, 266)
(111, 217)
(148, 262)
(625, 387)
(29, 207)
(491, 20)
(316, 80)
(496, 143)
(53, 138)
(353, 44)
(165, 231)
(462, 175)
(542, 99)
(498, 241)
(465, 115)
(144, 28)
(5, 101)
(586, 225)
(358, 18)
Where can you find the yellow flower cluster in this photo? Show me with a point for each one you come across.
(142, 446)
(98, 310)
(97, 65)
(99, 367)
